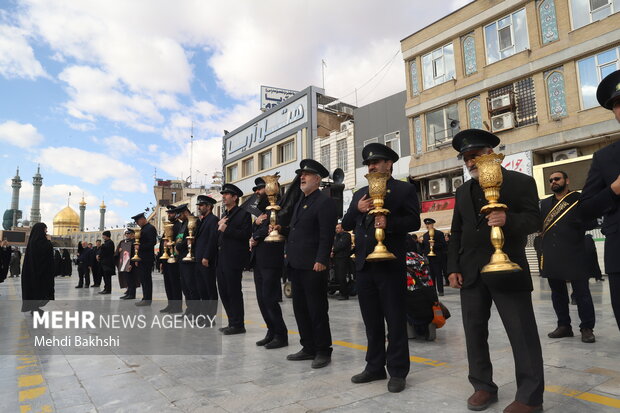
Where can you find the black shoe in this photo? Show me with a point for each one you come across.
(561, 331)
(321, 361)
(276, 343)
(105, 292)
(440, 294)
(587, 335)
(94, 286)
(174, 310)
(367, 377)
(343, 297)
(268, 338)
(166, 309)
(79, 286)
(128, 297)
(143, 303)
(573, 301)
(234, 330)
(396, 384)
(222, 329)
(300, 355)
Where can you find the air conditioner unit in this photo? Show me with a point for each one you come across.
(502, 122)
(500, 102)
(438, 186)
(347, 110)
(565, 154)
(456, 182)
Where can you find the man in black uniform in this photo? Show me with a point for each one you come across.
(96, 265)
(172, 276)
(439, 248)
(381, 286)
(83, 266)
(234, 232)
(341, 257)
(601, 192)
(146, 251)
(106, 261)
(469, 250)
(309, 244)
(268, 260)
(206, 255)
(564, 257)
(187, 269)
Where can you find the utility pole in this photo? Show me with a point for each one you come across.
(191, 153)
(323, 66)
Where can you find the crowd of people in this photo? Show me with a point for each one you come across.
(208, 255)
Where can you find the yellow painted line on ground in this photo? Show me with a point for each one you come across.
(588, 397)
(32, 393)
(349, 345)
(25, 408)
(603, 372)
(29, 380)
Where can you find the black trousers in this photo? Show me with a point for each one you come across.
(581, 293)
(267, 282)
(188, 286)
(229, 286)
(97, 274)
(341, 269)
(172, 284)
(130, 277)
(310, 307)
(517, 314)
(382, 296)
(436, 269)
(206, 286)
(107, 281)
(145, 269)
(84, 275)
(614, 290)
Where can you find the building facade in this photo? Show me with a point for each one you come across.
(279, 138)
(527, 70)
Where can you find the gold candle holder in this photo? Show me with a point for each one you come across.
(491, 179)
(191, 226)
(377, 189)
(272, 188)
(136, 245)
(431, 242)
(167, 236)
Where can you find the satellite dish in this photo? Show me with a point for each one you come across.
(338, 176)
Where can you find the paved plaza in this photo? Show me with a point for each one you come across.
(246, 378)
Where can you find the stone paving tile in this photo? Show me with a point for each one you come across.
(70, 397)
(84, 408)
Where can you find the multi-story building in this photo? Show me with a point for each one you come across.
(527, 70)
(279, 138)
(383, 121)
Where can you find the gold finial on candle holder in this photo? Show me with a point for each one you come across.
(272, 188)
(377, 189)
(136, 245)
(191, 226)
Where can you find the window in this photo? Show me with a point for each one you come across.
(392, 141)
(231, 173)
(415, 88)
(506, 36)
(248, 167)
(371, 140)
(264, 160)
(592, 70)
(438, 66)
(439, 129)
(342, 158)
(584, 12)
(325, 156)
(286, 152)
(524, 107)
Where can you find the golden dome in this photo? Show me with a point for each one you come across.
(67, 216)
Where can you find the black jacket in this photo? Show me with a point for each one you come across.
(597, 199)
(148, 239)
(182, 245)
(470, 246)
(205, 243)
(311, 232)
(106, 257)
(342, 245)
(404, 217)
(439, 248)
(266, 254)
(233, 243)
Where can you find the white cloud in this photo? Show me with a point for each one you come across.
(153, 148)
(119, 146)
(93, 168)
(23, 135)
(17, 58)
(119, 202)
(206, 160)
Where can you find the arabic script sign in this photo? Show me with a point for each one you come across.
(272, 96)
(288, 117)
(520, 162)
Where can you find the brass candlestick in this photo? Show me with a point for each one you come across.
(167, 236)
(377, 188)
(431, 242)
(191, 226)
(272, 188)
(490, 179)
(136, 245)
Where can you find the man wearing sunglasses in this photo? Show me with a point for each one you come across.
(601, 192)
(563, 257)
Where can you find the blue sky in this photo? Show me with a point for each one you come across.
(102, 93)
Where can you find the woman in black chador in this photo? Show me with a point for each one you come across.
(66, 263)
(38, 270)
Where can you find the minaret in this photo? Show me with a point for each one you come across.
(35, 212)
(102, 217)
(82, 211)
(16, 184)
